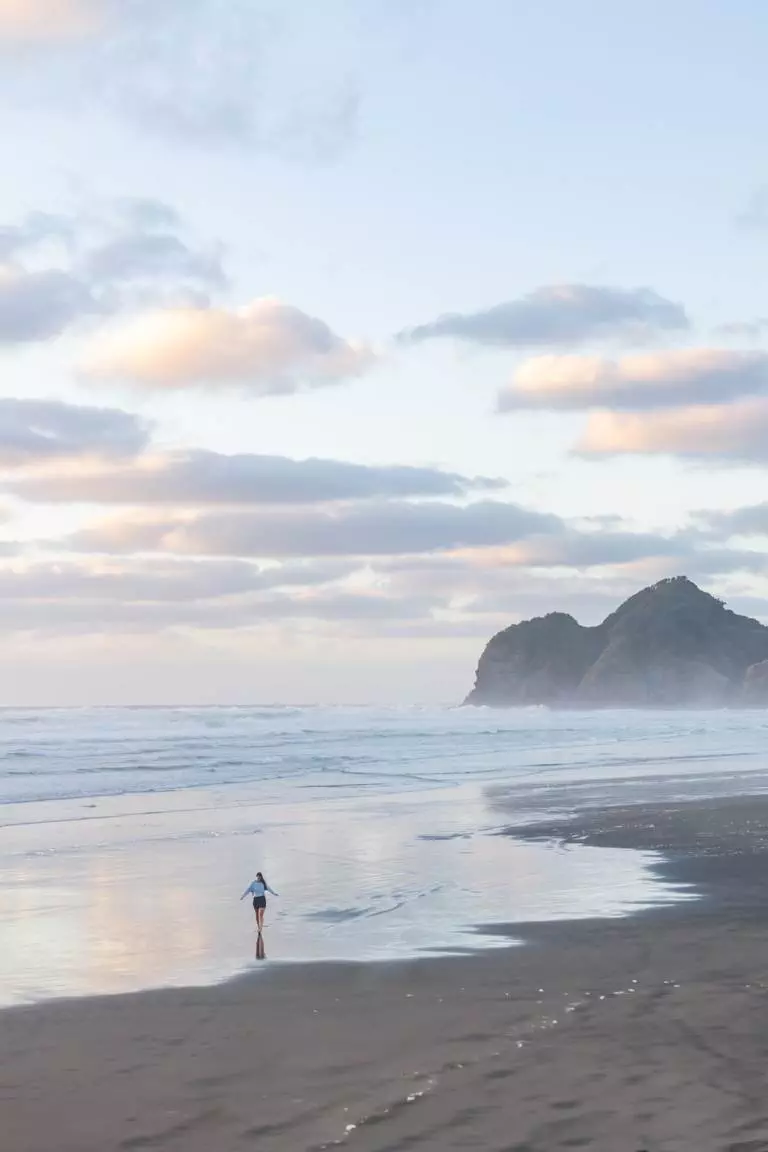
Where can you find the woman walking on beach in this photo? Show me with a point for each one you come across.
(258, 889)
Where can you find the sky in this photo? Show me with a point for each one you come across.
(337, 335)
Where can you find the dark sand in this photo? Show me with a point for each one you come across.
(650, 1033)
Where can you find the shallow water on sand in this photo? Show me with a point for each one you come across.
(127, 835)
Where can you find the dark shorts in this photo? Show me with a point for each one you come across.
(259, 902)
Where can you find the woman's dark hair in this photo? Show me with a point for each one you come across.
(260, 876)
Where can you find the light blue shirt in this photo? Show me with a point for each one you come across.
(258, 889)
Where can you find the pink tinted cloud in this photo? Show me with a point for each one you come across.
(735, 432)
(266, 347)
(648, 380)
(39, 20)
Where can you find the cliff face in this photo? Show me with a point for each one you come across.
(670, 645)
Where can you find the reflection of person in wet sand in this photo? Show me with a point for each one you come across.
(261, 953)
(258, 889)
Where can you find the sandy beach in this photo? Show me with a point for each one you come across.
(647, 1033)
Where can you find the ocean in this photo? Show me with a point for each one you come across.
(127, 835)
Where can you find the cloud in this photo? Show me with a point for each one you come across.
(144, 214)
(134, 254)
(471, 592)
(40, 20)
(153, 256)
(158, 580)
(744, 329)
(573, 549)
(200, 72)
(734, 433)
(201, 477)
(156, 595)
(39, 305)
(467, 574)
(58, 617)
(751, 520)
(480, 580)
(267, 347)
(378, 528)
(34, 431)
(645, 381)
(443, 547)
(417, 596)
(582, 578)
(128, 255)
(38, 228)
(568, 314)
(704, 560)
(587, 598)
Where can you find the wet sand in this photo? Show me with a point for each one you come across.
(618, 1036)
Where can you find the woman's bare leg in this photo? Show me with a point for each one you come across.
(260, 918)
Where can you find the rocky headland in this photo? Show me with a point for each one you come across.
(670, 645)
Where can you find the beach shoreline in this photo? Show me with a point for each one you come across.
(637, 1033)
